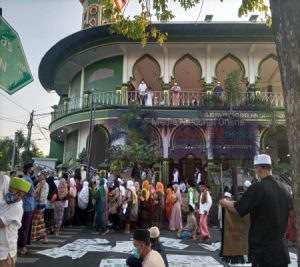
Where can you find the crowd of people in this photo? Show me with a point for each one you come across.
(33, 209)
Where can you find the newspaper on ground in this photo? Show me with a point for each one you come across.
(173, 243)
(192, 261)
(113, 263)
(123, 247)
(213, 247)
(78, 248)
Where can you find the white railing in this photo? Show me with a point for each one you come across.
(158, 99)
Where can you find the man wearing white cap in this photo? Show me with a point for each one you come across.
(268, 203)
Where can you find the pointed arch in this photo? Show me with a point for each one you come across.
(187, 71)
(200, 131)
(269, 75)
(101, 141)
(235, 63)
(147, 67)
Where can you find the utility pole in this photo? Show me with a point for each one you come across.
(13, 159)
(91, 124)
(29, 127)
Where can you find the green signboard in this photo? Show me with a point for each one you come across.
(14, 69)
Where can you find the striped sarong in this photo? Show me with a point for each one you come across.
(38, 230)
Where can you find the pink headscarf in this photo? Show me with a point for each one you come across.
(177, 193)
(73, 190)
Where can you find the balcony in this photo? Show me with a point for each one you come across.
(168, 100)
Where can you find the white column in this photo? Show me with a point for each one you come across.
(125, 68)
(81, 87)
(165, 71)
(208, 64)
(165, 139)
(251, 74)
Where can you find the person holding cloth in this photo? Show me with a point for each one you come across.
(268, 203)
(11, 212)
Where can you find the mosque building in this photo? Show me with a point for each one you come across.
(197, 126)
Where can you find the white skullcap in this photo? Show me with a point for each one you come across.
(154, 232)
(262, 159)
(227, 194)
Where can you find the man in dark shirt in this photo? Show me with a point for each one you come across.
(268, 203)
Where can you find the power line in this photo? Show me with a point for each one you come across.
(200, 11)
(10, 120)
(14, 102)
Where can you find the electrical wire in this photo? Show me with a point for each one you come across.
(14, 102)
(200, 11)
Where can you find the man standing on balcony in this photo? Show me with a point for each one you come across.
(218, 89)
(175, 89)
(142, 92)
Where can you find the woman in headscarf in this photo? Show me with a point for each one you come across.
(169, 203)
(100, 207)
(135, 203)
(159, 205)
(176, 218)
(38, 231)
(144, 205)
(114, 204)
(204, 207)
(127, 205)
(105, 213)
(72, 200)
(59, 204)
(151, 205)
(49, 211)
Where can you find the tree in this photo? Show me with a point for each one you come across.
(6, 151)
(6, 148)
(137, 149)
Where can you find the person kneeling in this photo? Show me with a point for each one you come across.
(190, 230)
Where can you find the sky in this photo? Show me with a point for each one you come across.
(42, 23)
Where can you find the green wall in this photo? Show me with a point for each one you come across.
(70, 154)
(56, 151)
(75, 86)
(104, 75)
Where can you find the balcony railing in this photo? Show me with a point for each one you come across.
(185, 99)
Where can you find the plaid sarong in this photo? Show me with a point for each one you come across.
(38, 225)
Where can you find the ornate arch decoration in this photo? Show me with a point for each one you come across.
(179, 128)
(265, 132)
(105, 130)
(270, 56)
(132, 78)
(156, 132)
(193, 59)
(236, 60)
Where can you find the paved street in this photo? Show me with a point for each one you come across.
(93, 259)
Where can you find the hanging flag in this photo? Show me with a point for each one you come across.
(120, 4)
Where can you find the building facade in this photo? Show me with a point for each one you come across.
(195, 127)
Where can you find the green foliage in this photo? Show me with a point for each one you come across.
(144, 154)
(139, 27)
(282, 168)
(6, 148)
(139, 147)
(233, 86)
(82, 156)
